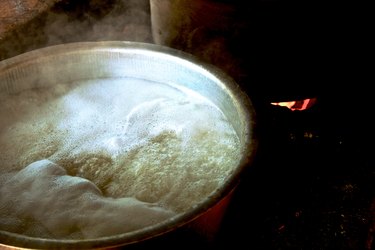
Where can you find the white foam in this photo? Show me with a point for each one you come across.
(42, 201)
(121, 142)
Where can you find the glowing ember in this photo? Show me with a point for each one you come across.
(297, 105)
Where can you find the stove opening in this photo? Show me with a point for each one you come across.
(297, 105)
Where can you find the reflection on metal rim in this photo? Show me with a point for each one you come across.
(90, 60)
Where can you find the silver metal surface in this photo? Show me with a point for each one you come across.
(92, 60)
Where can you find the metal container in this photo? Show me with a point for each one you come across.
(67, 63)
(272, 48)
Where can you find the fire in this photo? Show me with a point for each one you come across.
(297, 105)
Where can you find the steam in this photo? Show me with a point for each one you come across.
(101, 20)
(75, 21)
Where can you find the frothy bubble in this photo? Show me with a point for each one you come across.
(102, 157)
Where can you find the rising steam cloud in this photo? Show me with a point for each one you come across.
(75, 21)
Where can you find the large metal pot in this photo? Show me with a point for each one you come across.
(91, 60)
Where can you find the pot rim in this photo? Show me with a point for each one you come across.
(243, 104)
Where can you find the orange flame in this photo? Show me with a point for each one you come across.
(296, 105)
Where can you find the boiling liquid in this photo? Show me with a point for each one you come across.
(103, 157)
